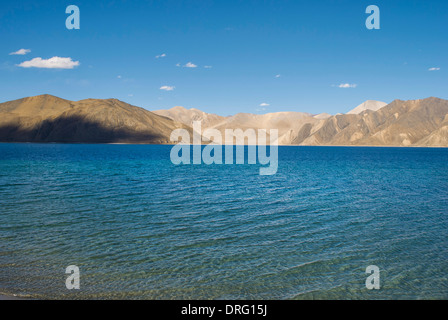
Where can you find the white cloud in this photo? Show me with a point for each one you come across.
(278, 75)
(178, 65)
(347, 85)
(52, 63)
(208, 67)
(167, 88)
(21, 52)
(119, 77)
(190, 65)
(264, 104)
(163, 55)
(433, 69)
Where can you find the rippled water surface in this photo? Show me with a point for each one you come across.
(140, 227)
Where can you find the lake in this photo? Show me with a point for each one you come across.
(140, 227)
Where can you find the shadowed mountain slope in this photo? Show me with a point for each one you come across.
(47, 118)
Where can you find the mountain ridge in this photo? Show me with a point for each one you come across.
(47, 118)
(371, 105)
(373, 123)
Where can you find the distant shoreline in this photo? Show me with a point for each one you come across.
(170, 144)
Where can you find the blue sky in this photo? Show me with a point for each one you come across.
(314, 47)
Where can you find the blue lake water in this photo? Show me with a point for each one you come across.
(139, 227)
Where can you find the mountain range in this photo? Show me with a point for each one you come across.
(47, 118)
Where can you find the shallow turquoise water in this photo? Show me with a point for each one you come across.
(139, 227)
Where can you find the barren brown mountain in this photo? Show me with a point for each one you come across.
(50, 119)
(401, 123)
(368, 105)
(46, 118)
(287, 123)
(187, 116)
